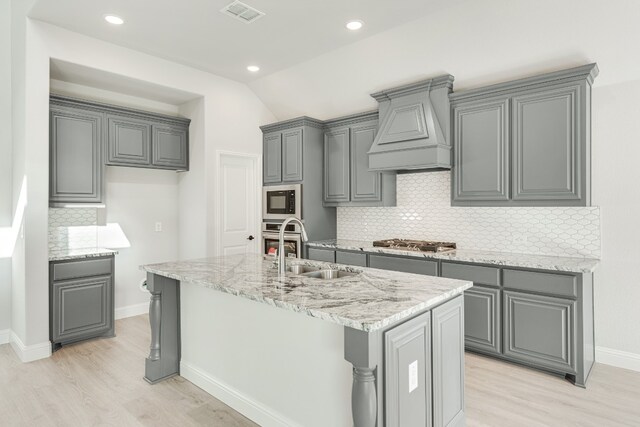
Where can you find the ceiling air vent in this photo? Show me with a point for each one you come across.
(242, 12)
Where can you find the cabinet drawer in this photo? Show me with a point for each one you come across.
(321, 255)
(547, 283)
(406, 265)
(476, 273)
(84, 268)
(350, 258)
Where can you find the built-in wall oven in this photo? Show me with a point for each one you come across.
(282, 201)
(271, 235)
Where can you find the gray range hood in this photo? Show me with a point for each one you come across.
(414, 130)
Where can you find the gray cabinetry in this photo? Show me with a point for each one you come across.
(406, 265)
(128, 141)
(75, 142)
(272, 158)
(283, 156)
(336, 166)
(321, 255)
(539, 330)
(292, 155)
(81, 300)
(347, 178)
(482, 319)
(351, 258)
(481, 150)
(170, 147)
(408, 393)
(448, 364)
(525, 142)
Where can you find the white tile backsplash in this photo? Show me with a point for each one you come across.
(424, 212)
(72, 228)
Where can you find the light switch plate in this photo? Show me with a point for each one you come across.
(413, 376)
(158, 226)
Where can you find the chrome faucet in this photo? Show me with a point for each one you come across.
(282, 268)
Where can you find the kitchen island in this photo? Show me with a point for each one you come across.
(274, 347)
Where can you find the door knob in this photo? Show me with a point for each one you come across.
(250, 238)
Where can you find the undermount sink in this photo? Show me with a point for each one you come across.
(301, 269)
(329, 274)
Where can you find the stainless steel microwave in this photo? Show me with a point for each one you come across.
(282, 201)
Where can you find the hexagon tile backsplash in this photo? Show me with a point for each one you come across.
(424, 212)
(72, 228)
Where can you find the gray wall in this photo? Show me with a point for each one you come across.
(5, 156)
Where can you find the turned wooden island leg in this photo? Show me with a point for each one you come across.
(361, 349)
(164, 319)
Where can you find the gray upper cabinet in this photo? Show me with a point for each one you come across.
(524, 143)
(292, 155)
(128, 142)
(348, 179)
(170, 147)
(546, 132)
(75, 139)
(272, 158)
(481, 150)
(336, 166)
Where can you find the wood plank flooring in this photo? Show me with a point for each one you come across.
(100, 383)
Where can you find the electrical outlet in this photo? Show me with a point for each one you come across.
(413, 376)
(158, 226)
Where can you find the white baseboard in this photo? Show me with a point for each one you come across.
(620, 359)
(255, 411)
(132, 310)
(5, 336)
(29, 353)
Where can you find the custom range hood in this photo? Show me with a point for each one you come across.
(414, 130)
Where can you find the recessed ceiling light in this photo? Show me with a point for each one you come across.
(354, 25)
(253, 68)
(113, 19)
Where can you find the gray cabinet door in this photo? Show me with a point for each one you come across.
(482, 319)
(128, 141)
(481, 151)
(448, 364)
(351, 258)
(365, 185)
(75, 156)
(292, 155)
(539, 330)
(546, 145)
(415, 265)
(170, 147)
(81, 308)
(407, 373)
(336, 166)
(272, 158)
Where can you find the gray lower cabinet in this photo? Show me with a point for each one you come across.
(406, 265)
(525, 142)
(351, 258)
(170, 147)
(336, 166)
(75, 143)
(81, 298)
(321, 255)
(448, 364)
(539, 330)
(272, 158)
(408, 392)
(482, 319)
(128, 141)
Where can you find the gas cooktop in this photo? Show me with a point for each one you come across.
(415, 245)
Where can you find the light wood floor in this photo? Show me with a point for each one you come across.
(99, 383)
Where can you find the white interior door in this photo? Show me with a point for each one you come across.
(238, 203)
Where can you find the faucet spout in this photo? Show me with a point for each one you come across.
(282, 268)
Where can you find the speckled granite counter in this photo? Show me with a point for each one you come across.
(368, 301)
(574, 265)
(66, 254)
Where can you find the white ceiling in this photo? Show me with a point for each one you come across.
(195, 33)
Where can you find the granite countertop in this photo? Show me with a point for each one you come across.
(81, 253)
(368, 301)
(543, 262)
